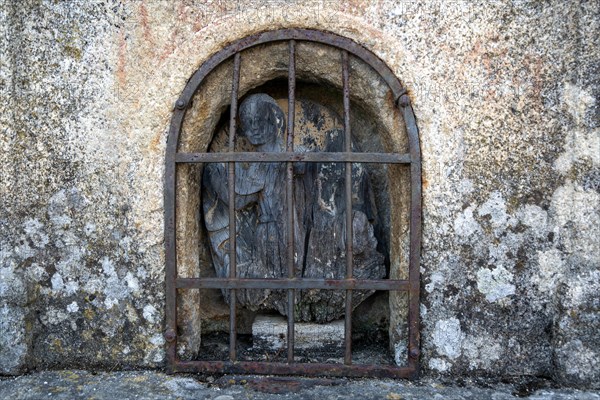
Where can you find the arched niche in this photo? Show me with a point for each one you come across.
(382, 122)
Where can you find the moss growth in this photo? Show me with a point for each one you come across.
(89, 314)
(57, 345)
(72, 51)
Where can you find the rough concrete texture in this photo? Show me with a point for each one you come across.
(149, 385)
(506, 97)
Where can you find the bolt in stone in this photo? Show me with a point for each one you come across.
(404, 100)
(170, 335)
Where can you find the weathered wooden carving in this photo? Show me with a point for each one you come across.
(319, 217)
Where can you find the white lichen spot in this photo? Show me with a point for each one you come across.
(11, 285)
(93, 285)
(73, 307)
(439, 364)
(465, 186)
(115, 288)
(37, 273)
(495, 207)
(579, 145)
(435, 280)
(149, 313)
(447, 337)
(481, 351)
(107, 267)
(157, 340)
(71, 287)
(583, 289)
(89, 229)
(24, 251)
(158, 354)
(533, 216)
(132, 282)
(109, 303)
(53, 317)
(57, 283)
(400, 352)
(582, 361)
(125, 243)
(14, 348)
(35, 232)
(550, 271)
(578, 101)
(495, 284)
(60, 221)
(575, 212)
(465, 225)
(5, 253)
(141, 273)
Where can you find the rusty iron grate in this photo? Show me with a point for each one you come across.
(291, 282)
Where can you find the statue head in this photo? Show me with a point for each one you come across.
(261, 119)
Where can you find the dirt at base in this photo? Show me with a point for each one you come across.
(365, 350)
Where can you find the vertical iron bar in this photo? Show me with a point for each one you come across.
(231, 187)
(290, 196)
(349, 254)
(170, 240)
(415, 233)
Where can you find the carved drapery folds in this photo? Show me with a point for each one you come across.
(319, 212)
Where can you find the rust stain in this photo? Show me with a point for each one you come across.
(424, 181)
(182, 13)
(410, 95)
(170, 47)
(389, 98)
(373, 33)
(489, 62)
(144, 21)
(153, 147)
(471, 58)
(199, 21)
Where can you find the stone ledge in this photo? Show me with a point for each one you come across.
(271, 331)
(152, 385)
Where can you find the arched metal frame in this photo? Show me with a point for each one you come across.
(291, 283)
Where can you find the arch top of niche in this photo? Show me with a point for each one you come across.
(400, 94)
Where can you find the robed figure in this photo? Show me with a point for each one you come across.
(319, 218)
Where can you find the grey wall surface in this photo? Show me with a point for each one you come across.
(506, 96)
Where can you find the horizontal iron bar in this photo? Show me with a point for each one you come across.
(312, 369)
(292, 283)
(387, 158)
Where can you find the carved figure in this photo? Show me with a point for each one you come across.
(261, 218)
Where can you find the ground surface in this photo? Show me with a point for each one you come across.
(75, 384)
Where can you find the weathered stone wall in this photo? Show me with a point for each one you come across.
(506, 97)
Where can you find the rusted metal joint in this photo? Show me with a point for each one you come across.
(180, 104)
(414, 353)
(170, 335)
(404, 100)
